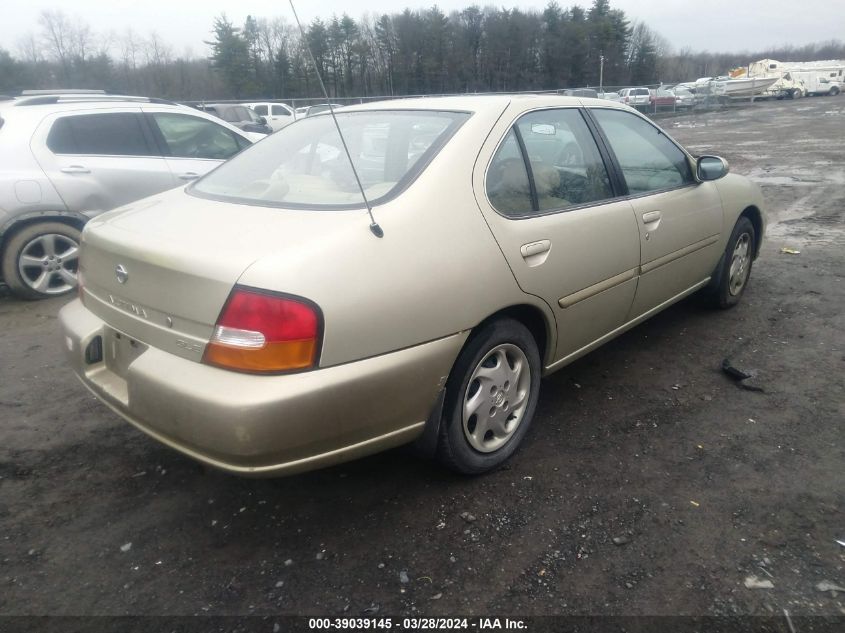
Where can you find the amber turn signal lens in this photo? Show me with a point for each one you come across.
(270, 358)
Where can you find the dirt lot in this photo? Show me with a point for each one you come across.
(645, 441)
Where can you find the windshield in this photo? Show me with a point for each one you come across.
(304, 164)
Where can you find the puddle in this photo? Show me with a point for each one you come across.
(797, 177)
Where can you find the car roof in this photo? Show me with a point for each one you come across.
(480, 103)
(29, 109)
(42, 104)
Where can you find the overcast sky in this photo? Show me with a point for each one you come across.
(715, 25)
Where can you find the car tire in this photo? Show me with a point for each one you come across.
(491, 397)
(735, 269)
(834, 91)
(797, 93)
(41, 260)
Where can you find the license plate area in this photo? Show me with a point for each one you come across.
(119, 351)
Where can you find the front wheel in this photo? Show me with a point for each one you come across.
(491, 396)
(736, 267)
(41, 260)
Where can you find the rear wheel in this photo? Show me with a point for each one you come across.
(491, 396)
(797, 93)
(834, 90)
(42, 260)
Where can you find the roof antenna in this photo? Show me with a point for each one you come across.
(374, 226)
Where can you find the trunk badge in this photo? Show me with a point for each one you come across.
(121, 273)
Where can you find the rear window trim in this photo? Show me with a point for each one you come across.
(401, 186)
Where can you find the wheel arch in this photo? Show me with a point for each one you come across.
(539, 324)
(20, 222)
(756, 218)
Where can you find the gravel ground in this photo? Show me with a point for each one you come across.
(649, 484)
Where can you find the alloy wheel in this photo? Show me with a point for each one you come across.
(48, 263)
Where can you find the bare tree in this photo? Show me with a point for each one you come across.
(57, 32)
(29, 48)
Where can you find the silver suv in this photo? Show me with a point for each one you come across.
(635, 97)
(65, 158)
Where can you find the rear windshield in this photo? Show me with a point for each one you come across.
(304, 164)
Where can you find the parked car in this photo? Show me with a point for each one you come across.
(588, 93)
(660, 98)
(67, 158)
(259, 320)
(635, 97)
(277, 115)
(238, 115)
(318, 108)
(683, 97)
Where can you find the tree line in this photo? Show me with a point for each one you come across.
(477, 49)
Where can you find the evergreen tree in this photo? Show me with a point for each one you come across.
(230, 56)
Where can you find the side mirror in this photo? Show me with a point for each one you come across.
(711, 167)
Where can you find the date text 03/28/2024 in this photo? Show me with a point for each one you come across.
(416, 624)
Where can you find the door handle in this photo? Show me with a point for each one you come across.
(651, 216)
(189, 175)
(535, 253)
(75, 169)
(535, 248)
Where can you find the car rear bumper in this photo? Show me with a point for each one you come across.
(261, 425)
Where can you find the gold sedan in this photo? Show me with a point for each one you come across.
(259, 321)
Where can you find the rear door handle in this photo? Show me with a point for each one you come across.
(75, 169)
(535, 248)
(651, 216)
(189, 175)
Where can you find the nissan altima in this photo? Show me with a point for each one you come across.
(260, 321)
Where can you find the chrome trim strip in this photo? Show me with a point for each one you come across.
(589, 291)
(661, 261)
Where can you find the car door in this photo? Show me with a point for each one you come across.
(100, 160)
(193, 145)
(550, 201)
(679, 219)
(280, 116)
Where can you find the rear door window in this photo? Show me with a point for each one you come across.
(105, 134)
(261, 109)
(277, 111)
(508, 187)
(566, 168)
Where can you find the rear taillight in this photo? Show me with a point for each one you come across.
(259, 331)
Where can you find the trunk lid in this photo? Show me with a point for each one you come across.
(160, 270)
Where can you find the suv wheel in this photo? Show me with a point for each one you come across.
(41, 260)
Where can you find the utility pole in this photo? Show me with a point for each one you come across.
(601, 73)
